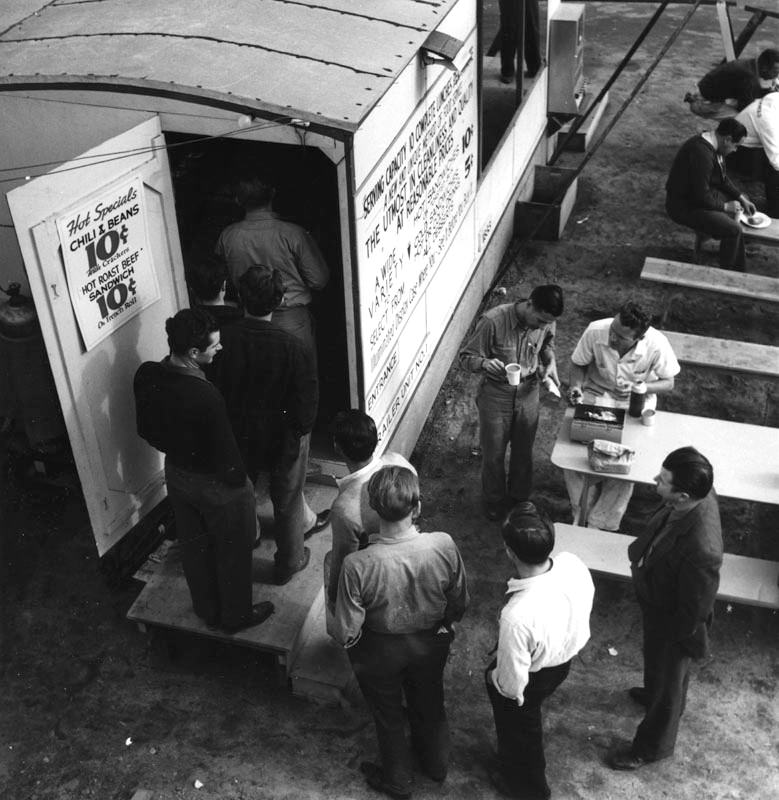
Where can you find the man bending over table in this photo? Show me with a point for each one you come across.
(699, 194)
(610, 357)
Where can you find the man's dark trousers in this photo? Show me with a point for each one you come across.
(508, 415)
(718, 225)
(216, 528)
(520, 731)
(509, 25)
(666, 676)
(388, 666)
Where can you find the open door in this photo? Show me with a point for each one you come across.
(103, 258)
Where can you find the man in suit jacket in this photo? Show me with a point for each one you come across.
(675, 566)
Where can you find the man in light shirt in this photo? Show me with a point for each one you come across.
(351, 518)
(544, 624)
(397, 601)
(761, 120)
(612, 355)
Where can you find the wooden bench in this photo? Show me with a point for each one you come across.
(752, 581)
(725, 281)
(706, 351)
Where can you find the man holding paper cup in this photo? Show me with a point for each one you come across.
(611, 355)
(512, 348)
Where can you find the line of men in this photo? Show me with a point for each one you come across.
(742, 95)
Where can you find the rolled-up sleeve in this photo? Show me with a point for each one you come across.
(478, 347)
(512, 673)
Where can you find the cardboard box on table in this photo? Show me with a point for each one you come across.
(597, 422)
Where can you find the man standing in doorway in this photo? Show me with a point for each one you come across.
(397, 601)
(544, 624)
(520, 333)
(612, 355)
(271, 392)
(699, 194)
(675, 565)
(183, 415)
(264, 239)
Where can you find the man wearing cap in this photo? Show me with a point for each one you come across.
(520, 333)
(544, 624)
(611, 355)
(675, 565)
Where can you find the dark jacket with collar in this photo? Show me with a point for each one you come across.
(679, 578)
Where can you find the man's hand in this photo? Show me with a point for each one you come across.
(732, 207)
(549, 371)
(494, 366)
(747, 205)
(575, 394)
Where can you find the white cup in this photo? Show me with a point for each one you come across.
(513, 374)
(648, 416)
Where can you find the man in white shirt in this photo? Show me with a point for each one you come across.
(351, 517)
(544, 624)
(611, 356)
(761, 120)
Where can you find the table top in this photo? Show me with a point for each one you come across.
(767, 235)
(745, 457)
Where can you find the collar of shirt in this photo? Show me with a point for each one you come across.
(711, 138)
(193, 372)
(377, 538)
(261, 213)
(341, 483)
(517, 319)
(517, 585)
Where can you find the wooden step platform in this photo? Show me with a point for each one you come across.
(165, 602)
(713, 279)
(580, 141)
(751, 581)
(707, 351)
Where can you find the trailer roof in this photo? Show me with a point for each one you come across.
(324, 61)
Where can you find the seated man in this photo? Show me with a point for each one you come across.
(351, 517)
(732, 86)
(699, 194)
(610, 357)
(760, 147)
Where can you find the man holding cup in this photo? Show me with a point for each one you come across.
(611, 355)
(519, 334)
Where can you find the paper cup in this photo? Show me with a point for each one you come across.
(513, 374)
(648, 416)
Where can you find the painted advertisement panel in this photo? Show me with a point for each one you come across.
(408, 211)
(110, 274)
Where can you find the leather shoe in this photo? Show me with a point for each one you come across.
(640, 695)
(374, 775)
(283, 576)
(259, 613)
(504, 787)
(625, 759)
(322, 521)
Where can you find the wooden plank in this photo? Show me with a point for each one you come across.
(713, 279)
(723, 15)
(580, 141)
(752, 581)
(768, 235)
(706, 351)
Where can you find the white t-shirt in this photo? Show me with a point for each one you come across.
(761, 119)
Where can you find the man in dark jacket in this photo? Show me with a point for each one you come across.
(675, 565)
(699, 194)
(271, 390)
(183, 415)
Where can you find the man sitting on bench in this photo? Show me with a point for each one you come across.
(732, 86)
(699, 194)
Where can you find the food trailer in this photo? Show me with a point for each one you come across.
(395, 143)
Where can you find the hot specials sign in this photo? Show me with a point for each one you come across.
(407, 213)
(110, 274)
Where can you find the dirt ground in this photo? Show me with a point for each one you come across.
(91, 708)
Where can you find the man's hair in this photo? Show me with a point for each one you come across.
(393, 493)
(191, 327)
(206, 275)
(548, 298)
(355, 433)
(261, 290)
(733, 128)
(691, 472)
(529, 534)
(254, 191)
(767, 59)
(632, 316)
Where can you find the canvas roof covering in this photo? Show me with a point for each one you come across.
(325, 61)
